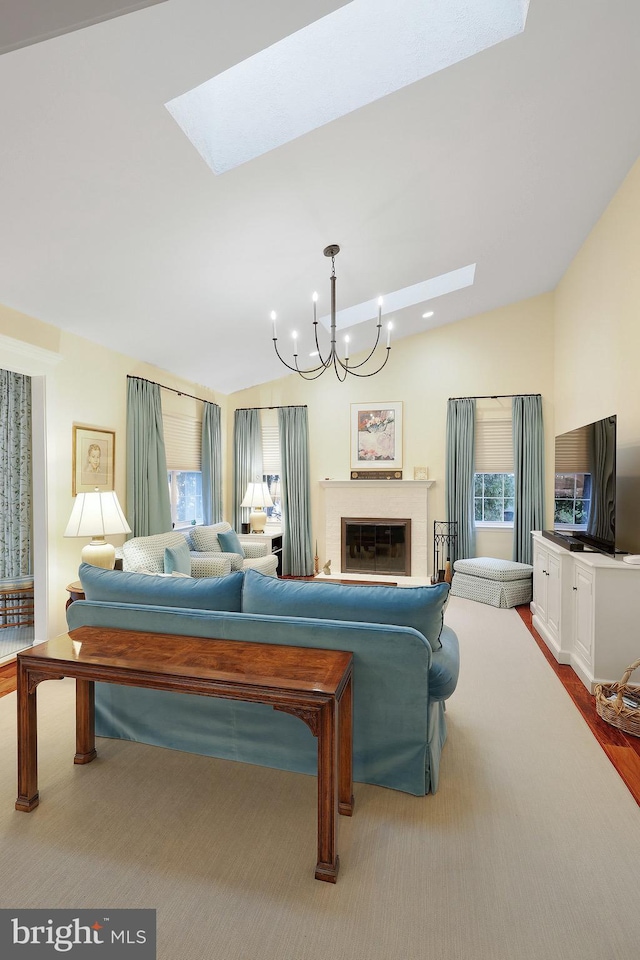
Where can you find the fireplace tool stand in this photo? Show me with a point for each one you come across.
(445, 536)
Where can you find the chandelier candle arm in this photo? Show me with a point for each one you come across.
(341, 367)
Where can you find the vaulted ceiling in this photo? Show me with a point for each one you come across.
(113, 227)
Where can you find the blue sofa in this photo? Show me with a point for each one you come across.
(405, 667)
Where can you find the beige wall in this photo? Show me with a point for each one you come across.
(577, 347)
(597, 342)
(86, 384)
(509, 350)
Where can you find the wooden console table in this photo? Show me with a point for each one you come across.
(312, 684)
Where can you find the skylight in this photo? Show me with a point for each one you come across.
(407, 297)
(352, 57)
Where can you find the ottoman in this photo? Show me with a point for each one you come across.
(501, 583)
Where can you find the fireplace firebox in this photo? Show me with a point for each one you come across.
(376, 545)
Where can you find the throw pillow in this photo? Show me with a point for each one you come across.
(178, 559)
(230, 542)
(419, 607)
(118, 586)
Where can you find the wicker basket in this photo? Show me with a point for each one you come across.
(616, 711)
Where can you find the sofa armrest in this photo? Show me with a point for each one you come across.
(234, 559)
(254, 549)
(445, 666)
(218, 565)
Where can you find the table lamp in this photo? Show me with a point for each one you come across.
(96, 515)
(257, 497)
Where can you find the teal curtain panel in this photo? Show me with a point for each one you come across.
(148, 505)
(211, 464)
(528, 462)
(461, 416)
(297, 553)
(247, 467)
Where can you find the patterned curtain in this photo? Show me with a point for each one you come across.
(211, 464)
(15, 475)
(247, 463)
(528, 463)
(297, 553)
(461, 416)
(148, 503)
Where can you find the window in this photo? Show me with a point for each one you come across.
(185, 493)
(494, 497)
(572, 500)
(494, 482)
(572, 495)
(183, 445)
(271, 463)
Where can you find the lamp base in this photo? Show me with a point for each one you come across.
(99, 553)
(257, 521)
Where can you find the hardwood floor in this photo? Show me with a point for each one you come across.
(7, 678)
(622, 749)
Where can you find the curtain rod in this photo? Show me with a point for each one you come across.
(498, 396)
(281, 406)
(181, 393)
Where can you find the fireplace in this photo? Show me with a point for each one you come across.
(394, 500)
(376, 545)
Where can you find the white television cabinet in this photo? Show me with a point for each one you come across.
(586, 608)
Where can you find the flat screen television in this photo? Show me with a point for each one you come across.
(585, 505)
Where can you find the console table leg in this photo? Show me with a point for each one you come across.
(328, 861)
(28, 797)
(85, 722)
(345, 751)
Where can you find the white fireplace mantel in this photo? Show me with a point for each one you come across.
(391, 499)
(378, 483)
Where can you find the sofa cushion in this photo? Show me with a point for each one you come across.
(118, 586)
(206, 538)
(230, 542)
(492, 569)
(213, 564)
(178, 559)
(419, 607)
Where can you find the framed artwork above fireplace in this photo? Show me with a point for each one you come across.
(376, 435)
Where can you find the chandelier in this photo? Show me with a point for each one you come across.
(341, 366)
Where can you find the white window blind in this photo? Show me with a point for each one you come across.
(271, 462)
(183, 442)
(494, 446)
(572, 452)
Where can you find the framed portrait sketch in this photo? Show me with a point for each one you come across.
(376, 435)
(94, 452)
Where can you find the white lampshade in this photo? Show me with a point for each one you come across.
(96, 515)
(257, 497)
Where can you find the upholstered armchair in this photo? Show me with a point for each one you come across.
(245, 553)
(158, 553)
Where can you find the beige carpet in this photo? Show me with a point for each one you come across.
(528, 850)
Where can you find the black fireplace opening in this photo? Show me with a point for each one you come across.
(376, 546)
